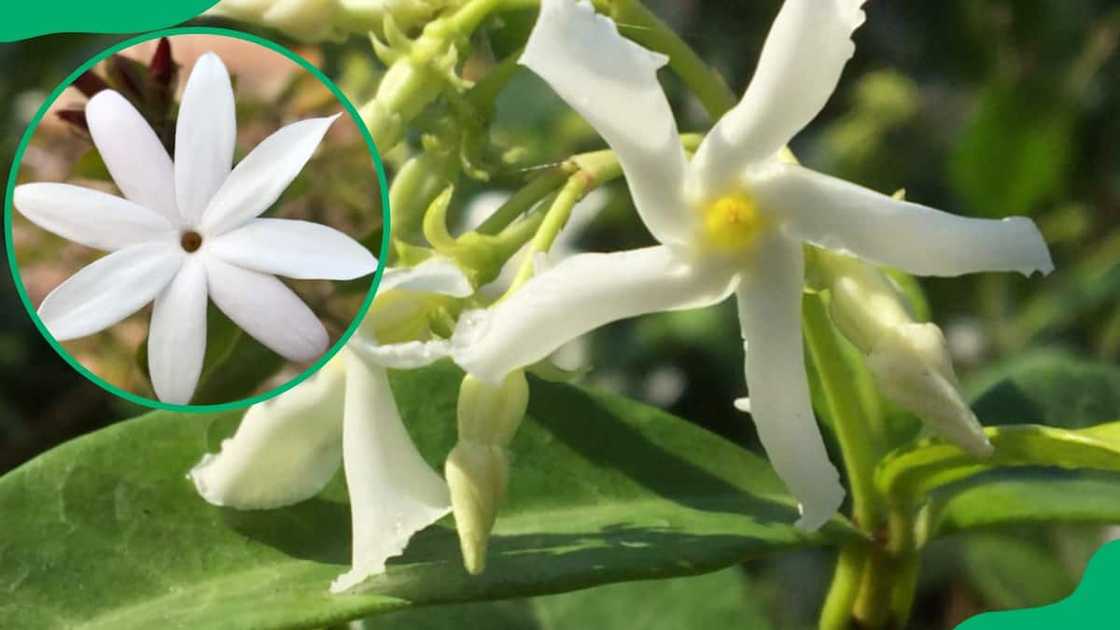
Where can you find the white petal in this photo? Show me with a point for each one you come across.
(91, 217)
(579, 294)
(259, 179)
(266, 309)
(801, 62)
(839, 215)
(109, 290)
(394, 493)
(434, 275)
(285, 450)
(295, 249)
(770, 314)
(205, 136)
(177, 336)
(612, 83)
(132, 152)
(399, 356)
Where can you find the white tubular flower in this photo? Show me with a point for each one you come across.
(732, 220)
(188, 230)
(287, 449)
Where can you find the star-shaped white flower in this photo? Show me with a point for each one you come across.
(732, 220)
(187, 230)
(287, 449)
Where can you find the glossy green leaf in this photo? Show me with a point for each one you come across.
(913, 472)
(717, 600)
(106, 532)
(1048, 387)
(1022, 496)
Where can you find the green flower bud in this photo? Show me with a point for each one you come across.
(490, 414)
(910, 360)
(477, 469)
(477, 476)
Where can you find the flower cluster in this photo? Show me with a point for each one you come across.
(734, 218)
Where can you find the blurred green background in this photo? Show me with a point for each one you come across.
(980, 107)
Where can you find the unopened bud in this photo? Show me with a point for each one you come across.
(910, 361)
(490, 414)
(477, 476)
(477, 469)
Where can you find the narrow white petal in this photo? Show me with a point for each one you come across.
(394, 493)
(177, 336)
(295, 249)
(838, 215)
(434, 275)
(579, 294)
(266, 309)
(90, 217)
(132, 152)
(399, 356)
(612, 83)
(205, 136)
(801, 62)
(259, 179)
(770, 314)
(285, 450)
(109, 290)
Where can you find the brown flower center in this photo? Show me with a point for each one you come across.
(191, 241)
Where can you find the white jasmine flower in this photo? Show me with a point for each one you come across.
(731, 221)
(287, 449)
(187, 230)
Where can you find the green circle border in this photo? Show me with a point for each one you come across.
(34, 125)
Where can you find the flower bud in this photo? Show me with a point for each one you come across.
(490, 414)
(910, 360)
(477, 476)
(911, 363)
(477, 469)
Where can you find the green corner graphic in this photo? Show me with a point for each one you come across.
(31, 19)
(1090, 606)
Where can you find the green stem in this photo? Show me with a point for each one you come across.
(859, 442)
(641, 25)
(521, 201)
(554, 221)
(845, 588)
(874, 583)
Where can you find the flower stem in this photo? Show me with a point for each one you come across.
(859, 441)
(640, 24)
(538, 188)
(874, 582)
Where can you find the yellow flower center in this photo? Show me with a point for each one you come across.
(732, 223)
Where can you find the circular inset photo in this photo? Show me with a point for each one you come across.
(195, 219)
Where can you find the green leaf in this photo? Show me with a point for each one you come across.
(717, 600)
(911, 473)
(1048, 387)
(106, 532)
(1016, 151)
(997, 564)
(1023, 496)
